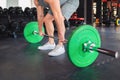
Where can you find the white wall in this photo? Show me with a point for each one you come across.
(32, 2)
(21, 3)
(12, 3)
(25, 3)
(3, 3)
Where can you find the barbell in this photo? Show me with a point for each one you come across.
(83, 45)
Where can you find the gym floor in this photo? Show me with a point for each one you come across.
(22, 61)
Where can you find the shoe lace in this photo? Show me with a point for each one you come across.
(56, 48)
(46, 43)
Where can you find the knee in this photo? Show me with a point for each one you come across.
(48, 19)
(36, 3)
(48, 1)
(59, 17)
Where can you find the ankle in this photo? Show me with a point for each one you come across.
(60, 43)
(51, 42)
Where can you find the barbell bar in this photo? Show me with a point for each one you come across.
(83, 45)
(88, 47)
(56, 38)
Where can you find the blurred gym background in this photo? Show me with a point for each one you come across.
(15, 14)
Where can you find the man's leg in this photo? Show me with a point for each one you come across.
(59, 19)
(48, 20)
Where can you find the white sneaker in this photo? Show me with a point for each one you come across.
(57, 51)
(47, 46)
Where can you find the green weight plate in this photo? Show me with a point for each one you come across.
(28, 32)
(75, 51)
(118, 22)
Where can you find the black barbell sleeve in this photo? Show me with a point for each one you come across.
(108, 52)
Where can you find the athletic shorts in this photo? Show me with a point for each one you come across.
(68, 7)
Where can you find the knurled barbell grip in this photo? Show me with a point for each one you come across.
(65, 41)
(35, 32)
(108, 52)
(50, 36)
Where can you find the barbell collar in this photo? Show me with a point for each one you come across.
(35, 33)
